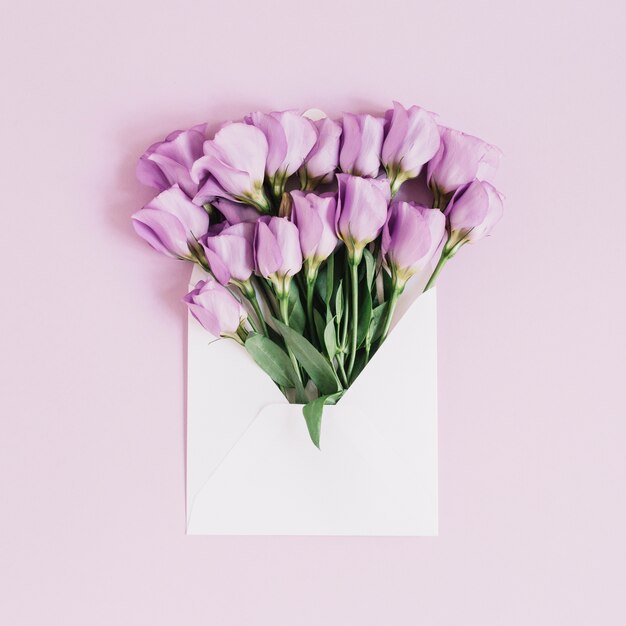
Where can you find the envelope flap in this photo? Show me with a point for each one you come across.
(275, 482)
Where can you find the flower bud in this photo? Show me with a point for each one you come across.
(233, 167)
(361, 211)
(361, 143)
(411, 237)
(169, 162)
(412, 139)
(315, 215)
(472, 213)
(230, 255)
(277, 252)
(216, 308)
(170, 222)
(459, 160)
(290, 137)
(323, 159)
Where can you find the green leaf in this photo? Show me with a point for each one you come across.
(376, 324)
(339, 301)
(365, 316)
(318, 320)
(387, 285)
(297, 316)
(370, 268)
(321, 283)
(313, 415)
(272, 359)
(330, 278)
(311, 360)
(359, 363)
(330, 339)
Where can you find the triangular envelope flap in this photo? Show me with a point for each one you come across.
(225, 391)
(275, 482)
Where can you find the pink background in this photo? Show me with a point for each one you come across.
(532, 460)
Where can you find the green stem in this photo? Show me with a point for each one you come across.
(310, 290)
(240, 336)
(269, 295)
(284, 314)
(391, 307)
(257, 309)
(442, 261)
(344, 321)
(354, 283)
(342, 371)
(253, 324)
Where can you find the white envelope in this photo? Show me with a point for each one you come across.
(252, 469)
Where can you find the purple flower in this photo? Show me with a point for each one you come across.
(473, 212)
(411, 237)
(235, 212)
(233, 167)
(361, 211)
(230, 255)
(277, 252)
(315, 215)
(460, 159)
(361, 144)
(322, 161)
(170, 222)
(290, 137)
(412, 140)
(216, 308)
(169, 162)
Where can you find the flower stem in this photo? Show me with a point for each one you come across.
(354, 283)
(310, 287)
(342, 371)
(344, 321)
(284, 314)
(442, 261)
(257, 309)
(391, 307)
(269, 295)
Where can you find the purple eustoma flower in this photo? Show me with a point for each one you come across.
(170, 223)
(315, 215)
(235, 212)
(169, 162)
(361, 211)
(277, 252)
(290, 137)
(411, 237)
(473, 212)
(233, 167)
(411, 140)
(460, 159)
(361, 144)
(230, 254)
(216, 308)
(323, 159)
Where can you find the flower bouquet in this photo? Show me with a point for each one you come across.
(308, 229)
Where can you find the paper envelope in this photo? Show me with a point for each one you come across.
(252, 469)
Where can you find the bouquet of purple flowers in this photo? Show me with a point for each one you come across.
(309, 228)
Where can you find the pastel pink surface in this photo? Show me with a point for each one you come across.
(532, 343)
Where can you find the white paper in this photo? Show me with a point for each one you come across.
(252, 469)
